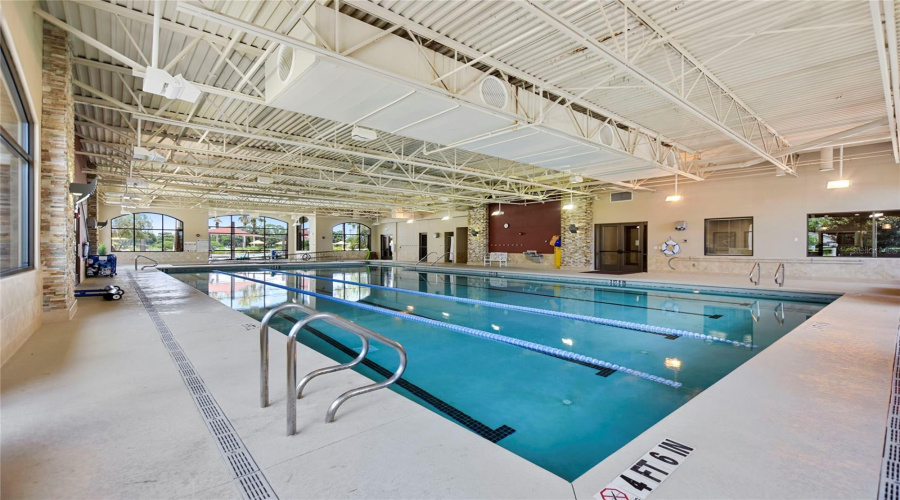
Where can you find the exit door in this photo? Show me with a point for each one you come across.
(621, 248)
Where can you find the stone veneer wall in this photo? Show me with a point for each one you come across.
(56, 172)
(578, 248)
(478, 245)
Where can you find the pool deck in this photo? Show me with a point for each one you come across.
(96, 408)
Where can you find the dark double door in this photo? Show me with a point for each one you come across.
(621, 248)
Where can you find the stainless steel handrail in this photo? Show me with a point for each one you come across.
(779, 270)
(423, 258)
(446, 254)
(779, 313)
(155, 262)
(756, 267)
(293, 389)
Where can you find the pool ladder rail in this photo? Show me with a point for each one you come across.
(779, 273)
(446, 254)
(155, 262)
(755, 269)
(294, 389)
(425, 258)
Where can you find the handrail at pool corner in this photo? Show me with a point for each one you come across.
(294, 390)
(155, 262)
(446, 254)
(779, 271)
(756, 267)
(264, 349)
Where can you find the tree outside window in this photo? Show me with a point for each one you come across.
(146, 232)
(351, 236)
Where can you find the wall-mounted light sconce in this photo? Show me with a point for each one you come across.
(573, 228)
(473, 232)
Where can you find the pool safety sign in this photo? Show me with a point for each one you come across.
(639, 480)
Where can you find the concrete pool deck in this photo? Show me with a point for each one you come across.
(96, 408)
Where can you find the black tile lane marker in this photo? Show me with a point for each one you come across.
(601, 370)
(492, 435)
(250, 481)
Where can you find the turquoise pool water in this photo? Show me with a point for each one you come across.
(563, 415)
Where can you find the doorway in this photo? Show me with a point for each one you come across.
(449, 249)
(620, 248)
(462, 245)
(423, 245)
(387, 247)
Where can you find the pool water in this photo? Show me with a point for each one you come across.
(563, 415)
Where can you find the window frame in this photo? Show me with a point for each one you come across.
(234, 219)
(358, 234)
(869, 215)
(25, 153)
(162, 229)
(300, 239)
(705, 236)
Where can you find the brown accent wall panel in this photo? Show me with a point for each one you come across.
(530, 227)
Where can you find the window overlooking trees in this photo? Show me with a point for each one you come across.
(147, 232)
(302, 234)
(16, 172)
(852, 235)
(245, 237)
(351, 236)
(733, 236)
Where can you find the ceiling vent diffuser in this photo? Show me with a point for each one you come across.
(493, 92)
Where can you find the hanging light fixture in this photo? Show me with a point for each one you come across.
(676, 196)
(499, 210)
(571, 204)
(446, 217)
(841, 182)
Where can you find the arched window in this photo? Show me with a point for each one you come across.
(302, 225)
(351, 236)
(245, 237)
(147, 232)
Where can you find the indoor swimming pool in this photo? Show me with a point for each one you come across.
(561, 374)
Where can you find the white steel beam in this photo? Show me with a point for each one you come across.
(884, 62)
(569, 29)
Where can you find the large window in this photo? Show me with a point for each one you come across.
(732, 236)
(302, 226)
(147, 232)
(852, 234)
(16, 173)
(246, 237)
(351, 236)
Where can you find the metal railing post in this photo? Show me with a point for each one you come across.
(779, 271)
(264, 349)
(756, 267)
(446, 254)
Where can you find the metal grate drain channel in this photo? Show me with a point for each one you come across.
(890, 466)
(250, 481)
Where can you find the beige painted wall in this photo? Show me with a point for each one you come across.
(406, 236)
(20, 294)
(779, 206)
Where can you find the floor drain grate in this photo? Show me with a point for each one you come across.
(890, 467)
(251, 482)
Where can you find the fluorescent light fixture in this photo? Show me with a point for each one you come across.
(410, 221)
(446, 217)
(363, 134)
(571, 204)
(839, 184)
(499, 210)
(264, 180)
(160, 82)
(142, 153)
(575, 179)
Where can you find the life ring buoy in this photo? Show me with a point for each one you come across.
(670, 247)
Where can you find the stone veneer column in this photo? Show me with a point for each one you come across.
(577, 248)
(57, 171)
(93, 235)
(478, 245)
